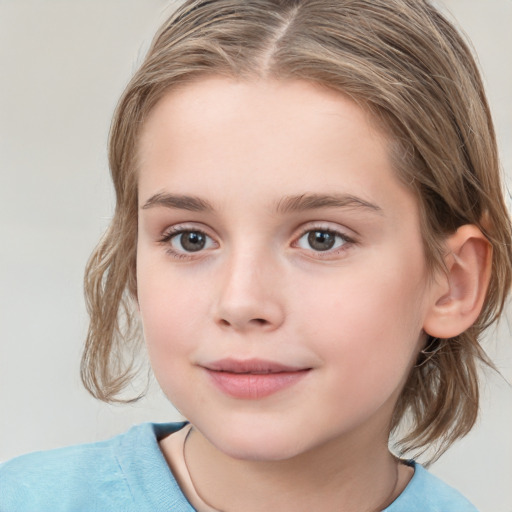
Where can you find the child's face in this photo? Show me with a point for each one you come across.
(296, 244)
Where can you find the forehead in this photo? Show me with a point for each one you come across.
(270, 137)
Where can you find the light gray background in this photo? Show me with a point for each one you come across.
(63, 66)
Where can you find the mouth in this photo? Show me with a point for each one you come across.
(253, 379)
(254, 366)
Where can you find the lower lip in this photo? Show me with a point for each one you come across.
(253, 386)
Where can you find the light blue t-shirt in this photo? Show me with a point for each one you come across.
(129, 473)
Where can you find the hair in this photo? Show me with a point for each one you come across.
(402, 61)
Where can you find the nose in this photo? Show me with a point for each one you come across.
(250, 296)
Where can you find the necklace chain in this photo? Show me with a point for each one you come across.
(389, 499)
(207, 506)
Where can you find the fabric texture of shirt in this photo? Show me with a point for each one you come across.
(129, 473)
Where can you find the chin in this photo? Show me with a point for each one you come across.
(247, 449)
(257, 442)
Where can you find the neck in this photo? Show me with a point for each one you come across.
(335, 476)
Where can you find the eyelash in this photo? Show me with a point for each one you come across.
(176, 231)
(347, 241)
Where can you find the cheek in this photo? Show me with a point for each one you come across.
(367, 340)
(369, 323)
(172, 316)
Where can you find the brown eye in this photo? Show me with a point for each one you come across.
(321, 240)
(189, 241)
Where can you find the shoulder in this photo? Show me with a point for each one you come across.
(427, 493)
(107, 475)
(58, 478)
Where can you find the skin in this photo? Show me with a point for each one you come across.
(353, 314)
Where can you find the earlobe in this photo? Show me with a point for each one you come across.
(458, 295)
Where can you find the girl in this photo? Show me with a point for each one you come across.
(310, 227)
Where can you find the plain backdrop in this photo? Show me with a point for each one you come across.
(63, 66)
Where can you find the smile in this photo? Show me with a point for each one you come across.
(253, 379)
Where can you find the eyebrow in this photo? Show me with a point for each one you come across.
(179, 202)
(306, 202)
(288, 204)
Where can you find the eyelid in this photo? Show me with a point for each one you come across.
(337, 230)
(175, 230)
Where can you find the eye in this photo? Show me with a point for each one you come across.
(322, 240)
(188, 241)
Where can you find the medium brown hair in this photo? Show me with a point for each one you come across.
(399, 59)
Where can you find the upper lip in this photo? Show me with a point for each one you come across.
(250, 366)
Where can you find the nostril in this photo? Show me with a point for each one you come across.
(254, 321)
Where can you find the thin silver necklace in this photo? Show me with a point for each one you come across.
(208, 508)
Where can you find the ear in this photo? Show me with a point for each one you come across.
(458, 295)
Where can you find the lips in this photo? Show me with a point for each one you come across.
(253, 379)
(256, 366)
